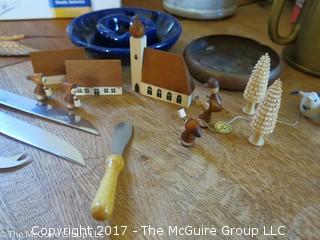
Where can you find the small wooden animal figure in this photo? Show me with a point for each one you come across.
(40, 91)
(71, 99)
(265, 120)
(257, 84)
(214, 103)
(309, 104)
(191, 132)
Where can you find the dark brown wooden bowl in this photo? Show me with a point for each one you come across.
(228, 58)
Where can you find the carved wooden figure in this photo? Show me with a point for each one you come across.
(199, 103)
(191, 132)
(265, 120)
(71, 99)
(214, 103)
(40, 89)
(257, 84)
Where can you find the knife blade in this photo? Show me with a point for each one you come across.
(102, 205)
(45, 111)
(39, 138)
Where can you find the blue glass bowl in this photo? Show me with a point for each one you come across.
(83, 32)
(115, 30)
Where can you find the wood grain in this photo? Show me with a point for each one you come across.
(222, 180)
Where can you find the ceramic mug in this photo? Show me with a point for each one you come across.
(201, 9)
(304, 51)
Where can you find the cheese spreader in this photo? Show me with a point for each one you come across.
(102, 206)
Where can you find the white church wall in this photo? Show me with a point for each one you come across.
(185, 99)
(83, 91)
(137, 46)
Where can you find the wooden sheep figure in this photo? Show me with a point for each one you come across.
(214, 103)
(266, 117)
(309, 104)
(257, 85)
(41, 91)
(191, 132)
(71, 99)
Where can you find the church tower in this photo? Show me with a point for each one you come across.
(138, 41)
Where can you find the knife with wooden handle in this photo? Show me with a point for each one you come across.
(102, 206)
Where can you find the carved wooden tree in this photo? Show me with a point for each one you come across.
(257, 84)
(265, 120)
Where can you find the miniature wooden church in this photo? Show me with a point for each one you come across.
(158, 74)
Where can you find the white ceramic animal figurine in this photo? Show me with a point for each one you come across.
(309, 104)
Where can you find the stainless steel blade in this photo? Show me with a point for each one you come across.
(121, 136)
(46, 111)
(39, 138)
(14, 161)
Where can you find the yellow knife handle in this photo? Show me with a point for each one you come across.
(102, 206)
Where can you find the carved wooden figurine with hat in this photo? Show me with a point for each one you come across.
(191, 132)
(72, 101)
(192, 129)
(214, 103)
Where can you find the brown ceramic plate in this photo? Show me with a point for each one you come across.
(228, 58)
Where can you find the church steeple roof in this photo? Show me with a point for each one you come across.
(137, 28)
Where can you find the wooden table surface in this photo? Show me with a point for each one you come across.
(221, 181)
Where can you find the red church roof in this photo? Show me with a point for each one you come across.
(166, 70)
(94, 73)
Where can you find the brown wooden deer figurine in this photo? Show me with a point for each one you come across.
(191, 132)
(214, 103)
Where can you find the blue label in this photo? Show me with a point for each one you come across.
(69, 3)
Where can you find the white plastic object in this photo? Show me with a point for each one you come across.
(77, 102)
(48, 91)
(182, 113)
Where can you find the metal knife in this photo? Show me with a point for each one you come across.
(46, 111)
(39, 138)
(102, 206)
